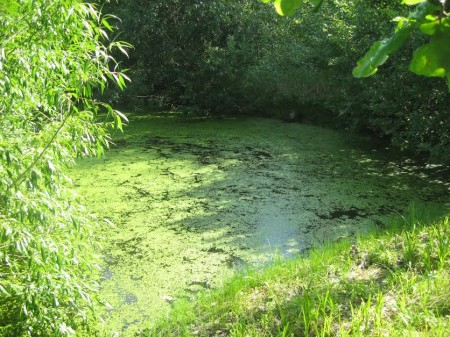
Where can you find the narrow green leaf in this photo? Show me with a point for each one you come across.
(4, 291)
(44, 253)
(118, 123)
(107, 304)
(117, 112)
(122, 49)
(100, 151)
(51, 166)
(24, 309)
(121, 81)
(106, 24)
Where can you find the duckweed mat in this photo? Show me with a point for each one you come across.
(192, 200)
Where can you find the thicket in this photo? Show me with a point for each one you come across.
(240, 57)
(53, 56)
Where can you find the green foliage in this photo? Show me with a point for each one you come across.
(239, 57)
(52, 61)
(379, 52)
(429, 60)
(190, 53)
(390, 284)
(430, 16)
(432, 59)
(409, 111)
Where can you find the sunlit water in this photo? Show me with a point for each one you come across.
(193, 200)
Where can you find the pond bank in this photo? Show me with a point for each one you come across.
(194, 199)
(394, 283)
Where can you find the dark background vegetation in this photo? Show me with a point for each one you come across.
(226, 57)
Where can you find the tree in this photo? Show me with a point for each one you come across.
(240, 57)
(430, 17)
(180, 48)
(54, 55)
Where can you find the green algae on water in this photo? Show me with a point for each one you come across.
(193, 200)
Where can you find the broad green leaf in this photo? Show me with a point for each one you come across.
(412, 2)
(432, 60)
(429, 28)
(287, 7)
(379, 52)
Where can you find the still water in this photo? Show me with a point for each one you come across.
(192, 200)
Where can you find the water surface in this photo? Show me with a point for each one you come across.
(193, 199)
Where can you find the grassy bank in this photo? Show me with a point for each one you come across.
(391, 284)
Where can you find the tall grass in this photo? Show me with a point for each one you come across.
(391, 284)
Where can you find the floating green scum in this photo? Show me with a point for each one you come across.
(193, 200)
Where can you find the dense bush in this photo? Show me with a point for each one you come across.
(238, 57)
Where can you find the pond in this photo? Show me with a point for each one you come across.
(194, 199)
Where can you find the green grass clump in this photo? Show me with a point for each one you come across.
(394, 284)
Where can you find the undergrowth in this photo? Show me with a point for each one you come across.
(391, 284)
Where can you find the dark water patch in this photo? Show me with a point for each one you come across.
(208, 153)
(141, 191)
(130, 298)
(216, 250)
(234, 261)
(350, 213)
(110, 261)
(354, 212)
(132, 246)
(107, 274)
(120, 143)
(128, 324)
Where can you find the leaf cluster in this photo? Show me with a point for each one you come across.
(431, 59)
(431, 17)
(54, 56)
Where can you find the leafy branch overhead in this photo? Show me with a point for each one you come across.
(430, 17)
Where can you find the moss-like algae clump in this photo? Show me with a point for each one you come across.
(192, 199)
